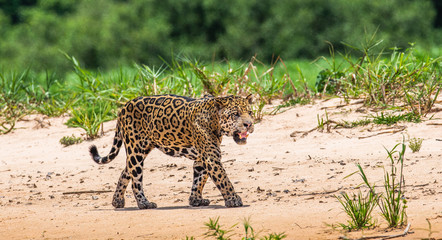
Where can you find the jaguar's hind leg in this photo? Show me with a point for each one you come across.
(135, 161)
(200, 176)
(123, 181)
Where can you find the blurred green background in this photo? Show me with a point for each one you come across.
(106, 34)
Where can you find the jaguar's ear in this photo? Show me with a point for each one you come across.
(221, 102)
(208, 96)
(250, 98)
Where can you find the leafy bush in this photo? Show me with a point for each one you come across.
(328, 81)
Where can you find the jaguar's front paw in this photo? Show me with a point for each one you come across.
(234, 201)
(197, 202)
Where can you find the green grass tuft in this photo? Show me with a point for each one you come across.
(392, 202)
(215, 231)
(359, 209)
(70, 140)
(390, 119)
(415, 144)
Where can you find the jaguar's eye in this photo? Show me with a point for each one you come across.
(251, 113)
(236, 114)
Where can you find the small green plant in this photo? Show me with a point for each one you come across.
(70, 140)
(415, 144)
(149, 78)
(274, 236)
(215, 230)
(215, 83)
(359, 208)
(328, 81)
(393, 203)
(266, 83)
(353, 124)
(248, 229)
(390, 119)
(380, 119)
(322, 124)
(91, 118)
(54, 107)
(251, 235)
(257, 109)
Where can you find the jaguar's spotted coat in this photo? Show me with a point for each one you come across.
(179, 126)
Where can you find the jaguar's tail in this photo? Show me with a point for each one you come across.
(118, 141)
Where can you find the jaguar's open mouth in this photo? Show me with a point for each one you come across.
(240, 137)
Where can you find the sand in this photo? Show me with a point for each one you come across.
(287, 183)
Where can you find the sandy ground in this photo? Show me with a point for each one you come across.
(287, 183)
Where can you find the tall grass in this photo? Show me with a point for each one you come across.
(397, 78)
(15, 98)
(182, 76)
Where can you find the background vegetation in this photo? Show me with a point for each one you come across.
(87, 58)
(105, 34)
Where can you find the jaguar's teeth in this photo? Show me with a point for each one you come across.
(243, 135)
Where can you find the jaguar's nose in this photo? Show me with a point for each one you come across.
(247, 124)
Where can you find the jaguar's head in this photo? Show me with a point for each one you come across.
(236, 117)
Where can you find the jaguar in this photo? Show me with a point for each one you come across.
(180, 127)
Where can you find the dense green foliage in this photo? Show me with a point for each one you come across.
(106, 34)
(401, 81)
(92, 97)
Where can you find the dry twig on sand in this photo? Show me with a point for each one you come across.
(381, 236)
(402, 128)
(318, 193)
(328, 122)
(89, 191)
